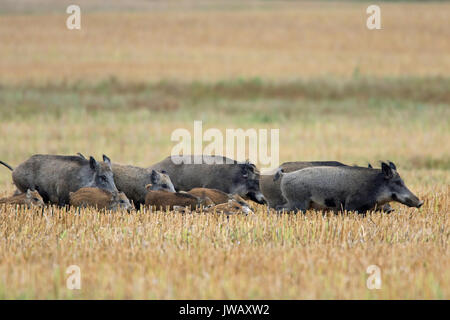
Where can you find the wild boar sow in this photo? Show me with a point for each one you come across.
(54, 176)
(215, 172)
(133, 181)
(345, 188)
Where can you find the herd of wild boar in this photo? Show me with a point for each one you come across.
(207, 183)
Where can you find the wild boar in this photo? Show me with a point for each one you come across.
(345, 188)
(219, 197)
(215, 172)
(54, 176)
(164, 199)
(271, 187)
(31, 198)
(133, 181)
(100, 199)
(230, 207)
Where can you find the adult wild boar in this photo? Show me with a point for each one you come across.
(54, 176)
(215, 172)
(271, 188)
(133, 181)
(345, 188)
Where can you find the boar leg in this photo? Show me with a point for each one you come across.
(386, 208)
(298, 205)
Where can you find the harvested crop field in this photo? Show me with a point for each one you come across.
(138, 70)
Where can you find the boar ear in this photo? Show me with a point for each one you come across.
(387, 170)
(92, 163)
(81, 155)
(250, 166)
(154, 176)
(107, 160)
(392, 165)
(370, 166)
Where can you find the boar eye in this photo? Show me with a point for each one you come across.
(35, 199)
(122, 201)
(398, 183)
(164, 185)
(103, 178)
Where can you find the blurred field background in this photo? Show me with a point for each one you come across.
(137, 70)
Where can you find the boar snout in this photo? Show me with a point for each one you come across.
(410, 200)
(258, 197)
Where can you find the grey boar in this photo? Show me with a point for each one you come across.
(31, 198)
(270, 187)
(133, 181)
(220, 197)
(345, 188)
(100, 199)
(215, 172)
(54, 176)
(163, 200)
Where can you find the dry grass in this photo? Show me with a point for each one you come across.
(199, 42)
(167, 255)
(148, 255)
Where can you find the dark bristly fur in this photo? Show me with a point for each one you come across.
(345, 188)
(55, 176)
(270, 186)
(133, 181)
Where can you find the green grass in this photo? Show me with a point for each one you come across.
(278, 101)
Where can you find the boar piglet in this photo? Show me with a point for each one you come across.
(163, 200)
(219, 197)
(31, 198)
(100, 199)
(230, 207)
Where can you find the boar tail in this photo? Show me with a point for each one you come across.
(278, 174)
(6, 165)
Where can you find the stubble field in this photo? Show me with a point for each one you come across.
(336, 91)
